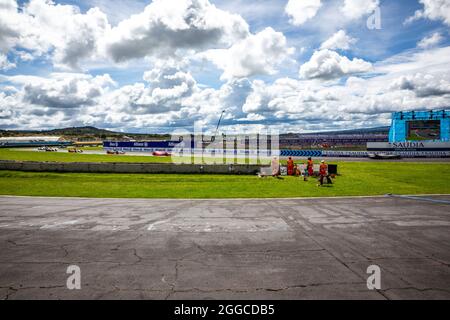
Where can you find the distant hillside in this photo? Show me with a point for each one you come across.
(92, 133)
(63, 131)
(83, 133)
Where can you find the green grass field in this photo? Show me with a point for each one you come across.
(90, 148)
(356, 179)
(22, 155)
(25, 155)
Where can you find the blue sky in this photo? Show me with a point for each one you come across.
(293, 65)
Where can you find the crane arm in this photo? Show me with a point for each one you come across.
(218, 123)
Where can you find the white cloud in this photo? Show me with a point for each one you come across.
(301, 11)
(403, 82)
(8, 24)
(266, 98)
(62, 90)
(423, 85)
(67, 90)
(118, 11)
(81, 38)
(166, 89)
(167, 26)
(9, 34)
(433, 10)
(73, 38)
(416, 16)
(304, 106)
(9, 104)
(170, 98)
(258, 54)
(62, 99)
(431, 61)
(327, 65)
(339, 40)
(23, 55)
(430, 41)
(355, 9)
(43, 27)
(4, 63)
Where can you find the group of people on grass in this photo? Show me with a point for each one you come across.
(294, 169)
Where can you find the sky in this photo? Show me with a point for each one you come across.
(163, 65)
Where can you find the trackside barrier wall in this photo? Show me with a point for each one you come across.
(126, 167)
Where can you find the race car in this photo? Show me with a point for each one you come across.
(74, 150)
(161, 154)
(114, 152)
(384, 156)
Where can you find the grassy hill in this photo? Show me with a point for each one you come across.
(83, 133)
(92, 133)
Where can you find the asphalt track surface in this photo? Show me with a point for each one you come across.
(328, 159)
(225, 249)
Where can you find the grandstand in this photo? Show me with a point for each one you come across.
(33, 141)
(341, 139)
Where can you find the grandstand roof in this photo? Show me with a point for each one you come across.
(31, 138)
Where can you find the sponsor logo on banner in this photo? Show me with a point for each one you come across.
(407, 145)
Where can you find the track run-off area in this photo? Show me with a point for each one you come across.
(226, 248)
